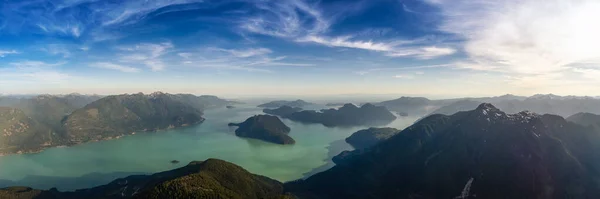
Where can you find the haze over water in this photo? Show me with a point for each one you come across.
(98, 163)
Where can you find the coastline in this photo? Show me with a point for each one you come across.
(41, 149)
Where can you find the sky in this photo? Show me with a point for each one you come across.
(447, 48)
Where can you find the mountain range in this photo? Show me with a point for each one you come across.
(480, 153)
(34, 123)
(543, 104)
(347, 115)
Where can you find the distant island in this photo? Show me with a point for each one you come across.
(282, 111)
(29, 125)
(362, 140)
(264, 127)
(369, 137)
(230, 107)
(347, 115)
(279, 103)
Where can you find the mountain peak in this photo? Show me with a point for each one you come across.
(487, 107)
(156, 94)
(349, 105)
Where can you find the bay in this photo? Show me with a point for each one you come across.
(97, 163)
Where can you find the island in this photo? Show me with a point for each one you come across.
(230, 107)
(264, 127)
(369, 137)
(279, 103)
(282, 111)
(347, 115)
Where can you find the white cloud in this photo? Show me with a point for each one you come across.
(345, 42)
(7, 52)
(391, 49)
(132, 11)
(155, 65)
(111, 66)
(433, 51)
(428, 52)
(243, 53)
(236, 59)
(404, 76)
(403, 68)
(525, 36)
(134, 57)
(28, 64)
(286, 19)
(63, 29)
(148, 54)
(57, 49)
(185, 55)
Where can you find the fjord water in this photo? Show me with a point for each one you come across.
(97, 163)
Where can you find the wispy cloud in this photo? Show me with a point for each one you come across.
(7, 52)
(404, 76)
(306, 23)
(77, 18)
(427, 52)
(185, 55)
(403, 68)
(33, 71)
(29, 64)
(247, 59)
(345, 42)
(111, 66)
(147, 53)
(57, 49)
(243, 53)
(286, 19)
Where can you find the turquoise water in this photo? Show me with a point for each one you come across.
(98, 163)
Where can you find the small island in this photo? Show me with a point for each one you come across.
(264, 127)
(347, 115)
(230, 107)
(369, 137)
(282, 111)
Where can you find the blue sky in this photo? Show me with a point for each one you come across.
(301, 47)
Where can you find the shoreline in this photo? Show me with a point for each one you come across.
(36, 151)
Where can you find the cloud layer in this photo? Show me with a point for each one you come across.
(525, 37)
